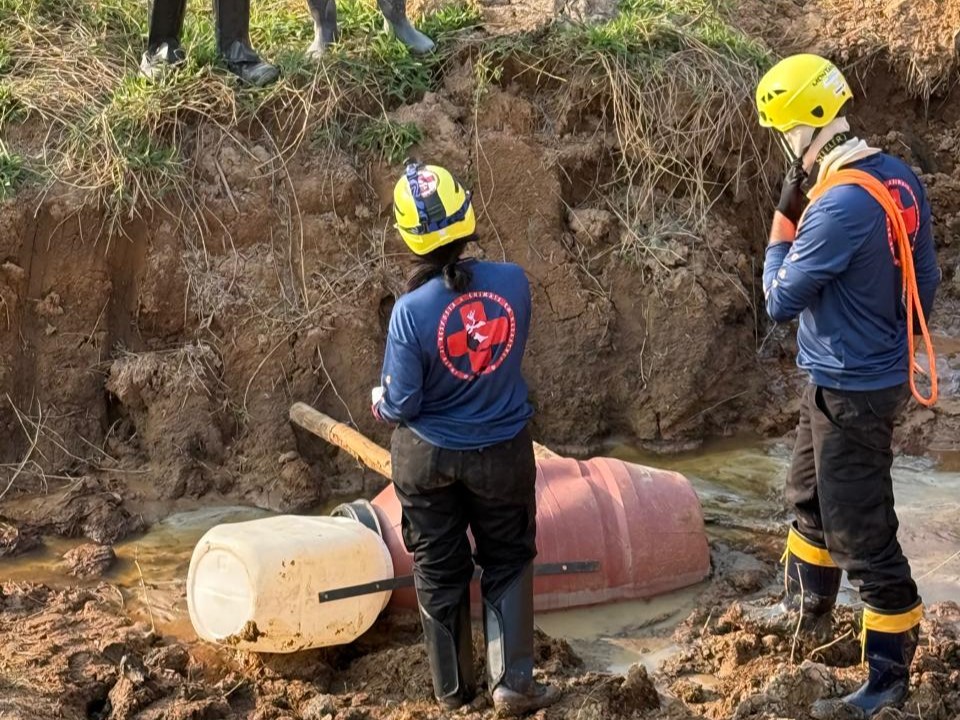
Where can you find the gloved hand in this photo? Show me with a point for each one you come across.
(792, 198)
(376, 395)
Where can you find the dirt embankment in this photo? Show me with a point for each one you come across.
(152, 370)
(157, 366)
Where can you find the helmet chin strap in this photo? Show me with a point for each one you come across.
(809, 144)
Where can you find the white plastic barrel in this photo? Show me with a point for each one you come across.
(255, 585)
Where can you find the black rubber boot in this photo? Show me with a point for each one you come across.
(163, 39)
(508, 627)
(450, 652)
(395, 12)
(325, 28)
(233, 42)
(810, 591)
(889, 655)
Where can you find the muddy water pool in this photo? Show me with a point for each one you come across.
(738, 483)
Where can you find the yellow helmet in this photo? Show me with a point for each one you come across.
(432, 208)
(801, 90)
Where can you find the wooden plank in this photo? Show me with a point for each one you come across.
(358, 445)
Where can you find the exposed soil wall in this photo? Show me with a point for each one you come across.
(148, 360)
(162, 358)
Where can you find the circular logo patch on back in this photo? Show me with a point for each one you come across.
(476, 334)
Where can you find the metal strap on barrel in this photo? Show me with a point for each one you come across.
(566, 568)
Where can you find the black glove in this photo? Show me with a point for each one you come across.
(792, 198)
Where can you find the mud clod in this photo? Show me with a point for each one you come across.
(88, 561)
(14, 541)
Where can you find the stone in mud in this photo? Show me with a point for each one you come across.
(91, 509)
(171, 657)
(89, 560)
(354, 713)
(319, 707)
(14, 541)
(631, 695)
(791, 688)
(835, 709)
(690, 692)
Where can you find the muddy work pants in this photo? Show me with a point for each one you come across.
(443, 492)
(840, 488)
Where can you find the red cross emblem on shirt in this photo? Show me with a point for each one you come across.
(480, 337)
(910, 215)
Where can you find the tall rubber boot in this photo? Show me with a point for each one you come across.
(325, 28)
(811, 584)
(232, 19)
(163, 38)
(395, 12)
(889, 644)
(508, 627)
(450, 652)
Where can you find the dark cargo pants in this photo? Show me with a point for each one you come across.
(442, 493)
(840, 488)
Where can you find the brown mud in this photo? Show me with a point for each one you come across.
(74, 653)
(153, 372)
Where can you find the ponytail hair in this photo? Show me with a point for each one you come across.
(443, 262)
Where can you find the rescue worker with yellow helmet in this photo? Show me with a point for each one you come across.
(836, 265)
(462, 456)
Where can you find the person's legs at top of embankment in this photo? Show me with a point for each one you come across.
(326, 30)
(857, 265)
(232, 19)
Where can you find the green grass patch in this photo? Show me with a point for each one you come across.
(11, 172)
(388, 139)
(669, 70)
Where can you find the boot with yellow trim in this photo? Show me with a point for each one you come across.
(811, 582)
(889, 644)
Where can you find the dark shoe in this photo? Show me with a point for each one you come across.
(247, 65)
(811, 584)
(165, 56)
(450, 652)
(890, 642)
(395, 12)
(508, 627)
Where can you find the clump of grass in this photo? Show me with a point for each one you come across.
(388, 139)
(11, 172)
(676, 79)
(451, 20)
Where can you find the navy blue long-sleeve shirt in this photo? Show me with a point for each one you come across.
(451, 370)
(839, 275)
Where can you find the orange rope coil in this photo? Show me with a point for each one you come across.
(910, 291)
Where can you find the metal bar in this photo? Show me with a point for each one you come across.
(567, 568)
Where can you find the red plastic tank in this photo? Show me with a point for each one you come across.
(644, 526)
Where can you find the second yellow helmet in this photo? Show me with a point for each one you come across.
(801, 90)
